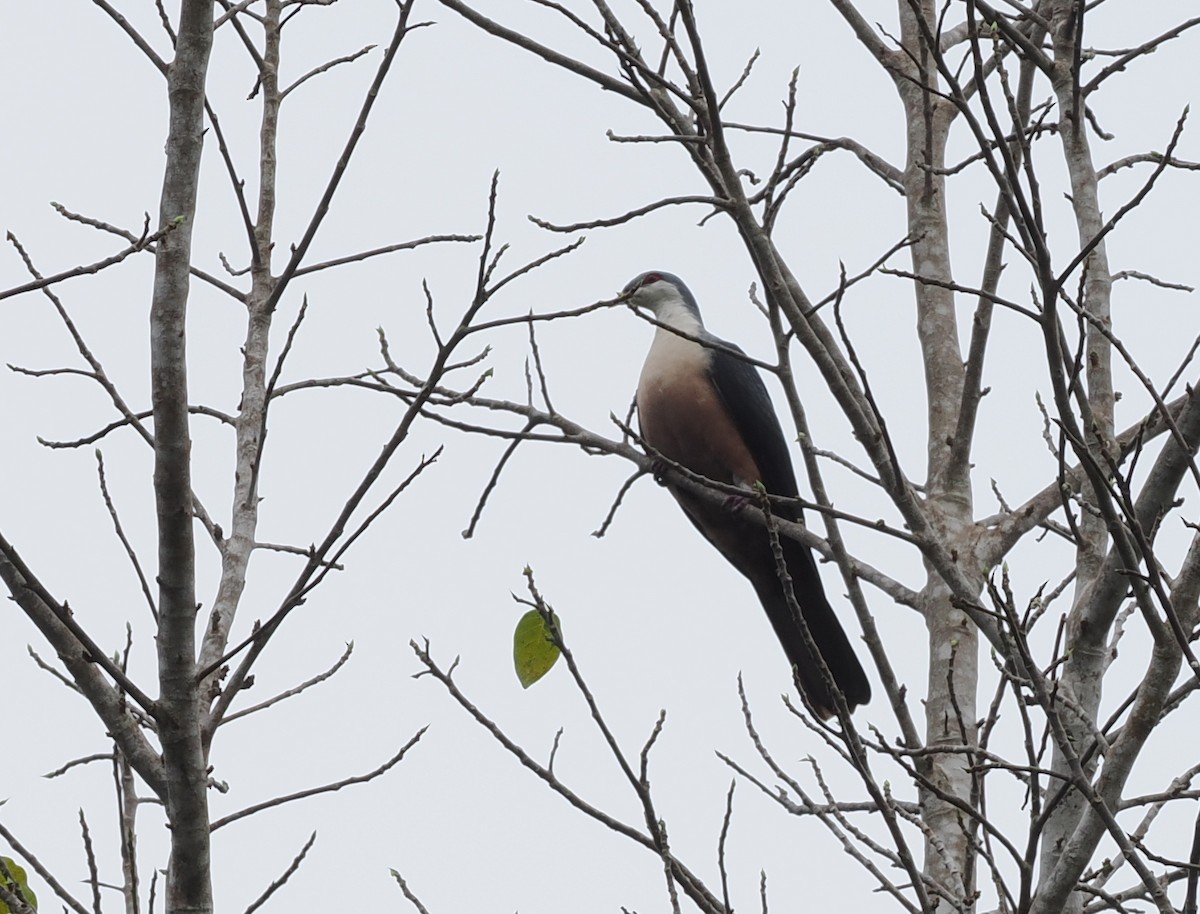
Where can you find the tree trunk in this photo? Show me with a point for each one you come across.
(189, 886)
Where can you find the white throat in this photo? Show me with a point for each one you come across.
(668, 307)
(675, 314)
(670, 354)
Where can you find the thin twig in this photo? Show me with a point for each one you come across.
(324, 788)
(287, 874)
(296, 690)
(128, 547)
(416, 902)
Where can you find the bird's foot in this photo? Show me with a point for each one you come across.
(658, 471)
(734, 504)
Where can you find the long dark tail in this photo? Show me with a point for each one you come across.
(826, 631)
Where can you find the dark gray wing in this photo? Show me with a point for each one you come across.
(745, 396)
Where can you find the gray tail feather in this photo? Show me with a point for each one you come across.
(827, 633)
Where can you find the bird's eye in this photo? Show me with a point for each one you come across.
(640, 282)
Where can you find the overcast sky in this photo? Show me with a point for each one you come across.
(656, 618)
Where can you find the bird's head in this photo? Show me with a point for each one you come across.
(665, 296)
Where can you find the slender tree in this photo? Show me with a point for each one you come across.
(164, 744)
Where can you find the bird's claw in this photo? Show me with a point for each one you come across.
(735, 503)
(658, 471)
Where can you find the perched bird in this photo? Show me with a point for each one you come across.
(707, 410)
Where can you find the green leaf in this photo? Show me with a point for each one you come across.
(533, 651)
(17, 879)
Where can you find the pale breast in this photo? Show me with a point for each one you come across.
(683, 417)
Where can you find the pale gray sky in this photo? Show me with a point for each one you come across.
(656, 618)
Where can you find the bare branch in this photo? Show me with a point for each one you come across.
(44, 666)
(40, 868)
(126, 545)
(287, 874)
(292, 692)
(630, 215)
(75, 763)
(99, 225)
(325, 67)
(360, 125)
(548, 54)
(79, 653)
(416, 902)
(1153, 280)
(386, 249)
(85, 270)
(325, 788)
(692, 885)
(93, 873)
(1148, 47)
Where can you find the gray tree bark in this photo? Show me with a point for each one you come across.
(189, 886)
